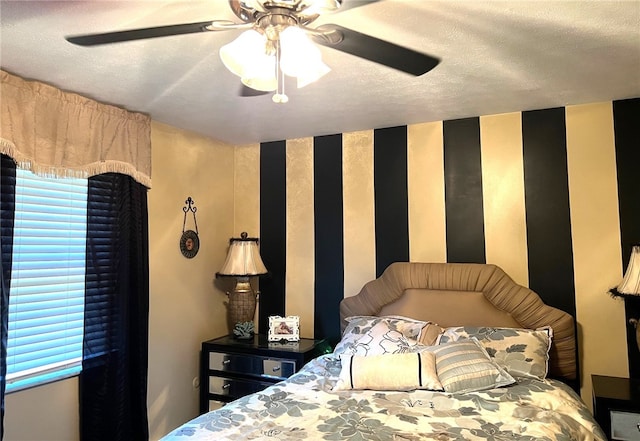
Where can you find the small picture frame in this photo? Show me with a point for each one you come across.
(284, 328)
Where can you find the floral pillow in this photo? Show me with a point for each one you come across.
(521, 352)
(382, 338)
(407, 330)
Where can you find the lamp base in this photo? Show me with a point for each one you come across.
(242, 303)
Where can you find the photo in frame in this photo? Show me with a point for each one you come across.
(284, 328)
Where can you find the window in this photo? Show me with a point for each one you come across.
(46, 303)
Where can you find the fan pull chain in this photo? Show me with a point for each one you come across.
(279, 97)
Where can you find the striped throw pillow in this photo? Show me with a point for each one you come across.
(464, 366)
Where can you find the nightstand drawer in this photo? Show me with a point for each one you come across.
(233, 387)
(251, 365)
(625, 426)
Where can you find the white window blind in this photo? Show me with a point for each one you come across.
(46, 302)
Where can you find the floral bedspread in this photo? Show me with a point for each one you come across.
(304, 408)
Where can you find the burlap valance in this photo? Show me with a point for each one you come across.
(55, 133)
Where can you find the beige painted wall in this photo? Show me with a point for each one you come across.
(595, 231)
(186, 307)
(55, 404)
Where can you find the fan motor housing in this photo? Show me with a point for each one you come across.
(304, 11)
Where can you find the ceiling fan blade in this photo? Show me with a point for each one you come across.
(139, 34)
(376, 50)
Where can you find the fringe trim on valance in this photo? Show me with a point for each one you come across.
(86, 171)
(7, 147)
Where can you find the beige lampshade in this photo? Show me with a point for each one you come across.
(243, 258)
(630, 285)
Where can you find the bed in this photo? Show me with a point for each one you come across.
(429, 351)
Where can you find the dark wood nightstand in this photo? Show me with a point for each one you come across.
(231, 368)
(616, 406)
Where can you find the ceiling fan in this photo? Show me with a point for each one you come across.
(275, 42)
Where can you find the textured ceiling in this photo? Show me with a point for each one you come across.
(497, 56)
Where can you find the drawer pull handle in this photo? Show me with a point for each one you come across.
(226, 386)
(276, 368)
(226, 362)
(638, 427)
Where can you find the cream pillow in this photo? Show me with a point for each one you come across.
(406, 371)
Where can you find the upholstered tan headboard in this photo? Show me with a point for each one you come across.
(456, 294)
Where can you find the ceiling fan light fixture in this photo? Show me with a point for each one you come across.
(247, 55)
(300, 57)
(252, 57)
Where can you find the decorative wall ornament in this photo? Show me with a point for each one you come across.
(189, 240)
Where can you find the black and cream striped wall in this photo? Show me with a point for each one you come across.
(548, 195)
